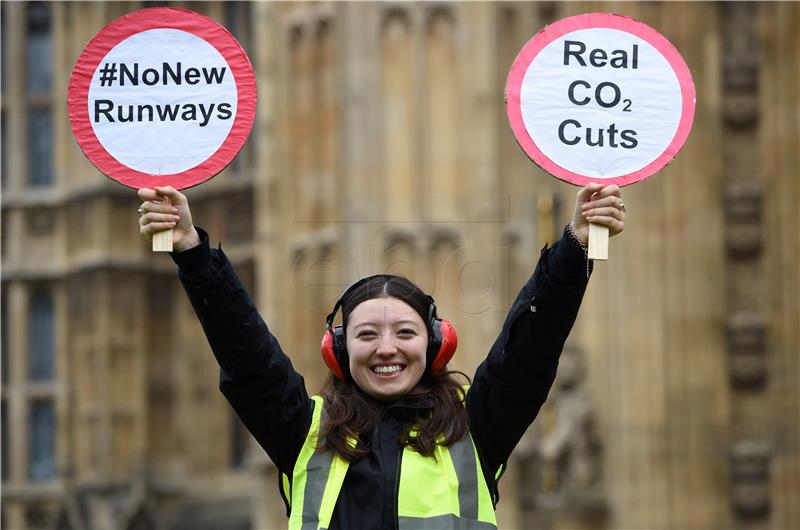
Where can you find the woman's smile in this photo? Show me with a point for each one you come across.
(388, 370)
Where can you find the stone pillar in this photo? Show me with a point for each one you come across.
(746, 328)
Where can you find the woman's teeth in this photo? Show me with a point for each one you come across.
(387, 369)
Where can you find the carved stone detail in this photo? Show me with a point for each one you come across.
(571, 452)
(740, 81)
(740, 65)
(548, 10)
(317, 241)
(396, 235)
(441, 234)
(746, 335)
(750, 479)
(160, 390)
(744, 203)
(439, 9)
(40, 222)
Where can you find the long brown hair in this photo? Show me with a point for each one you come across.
(352, 414)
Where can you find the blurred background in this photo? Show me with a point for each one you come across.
(381, 144)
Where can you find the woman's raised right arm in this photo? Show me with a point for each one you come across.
(256, 376)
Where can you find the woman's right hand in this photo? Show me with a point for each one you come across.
(165, 208)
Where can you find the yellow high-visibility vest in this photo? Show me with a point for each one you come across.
(446, 492)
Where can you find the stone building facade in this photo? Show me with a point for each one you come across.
(381, 145)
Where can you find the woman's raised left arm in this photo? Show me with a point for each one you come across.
(511, 385)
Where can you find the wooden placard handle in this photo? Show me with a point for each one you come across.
(162, 241)
(598, 242)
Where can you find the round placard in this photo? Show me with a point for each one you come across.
(162, 96)
(600, 98)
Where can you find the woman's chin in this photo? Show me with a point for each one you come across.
(387, 390)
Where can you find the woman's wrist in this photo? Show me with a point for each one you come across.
(191, 240)
(194, 259)
(573, 236)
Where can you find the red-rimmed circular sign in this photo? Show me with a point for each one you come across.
(600, 98)
(162, 96)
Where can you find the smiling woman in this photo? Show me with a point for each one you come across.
(395, 440)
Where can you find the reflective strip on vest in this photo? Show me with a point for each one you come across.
(446, 492)
(310, 477)
(443, 522)
(463, 456)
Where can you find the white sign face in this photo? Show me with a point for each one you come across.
(144, 109)
(160, 97)
(600, 98)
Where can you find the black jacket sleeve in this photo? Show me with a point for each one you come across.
(511, 385)
(256, 376)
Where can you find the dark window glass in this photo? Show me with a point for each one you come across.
(38, 516)
(4, 233)
(41, 440)
(3, 73)
(237, 19)
(4, 339)
(4, 440)
(40, 147)
(232, 18)
(3, 45)
(41, 340)
(39, 48)
(4, 153)
(235, 166)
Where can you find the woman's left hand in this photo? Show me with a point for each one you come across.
(600, 205)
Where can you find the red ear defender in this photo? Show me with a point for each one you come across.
(328, 353)
(445, 334)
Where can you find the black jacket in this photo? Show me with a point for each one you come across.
(270, 397)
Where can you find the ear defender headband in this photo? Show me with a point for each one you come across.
(442, 338)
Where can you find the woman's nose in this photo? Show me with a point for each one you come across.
(386, 346)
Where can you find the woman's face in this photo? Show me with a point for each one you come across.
(386, 342)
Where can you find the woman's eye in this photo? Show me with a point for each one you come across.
(365, 334)
(407, 332)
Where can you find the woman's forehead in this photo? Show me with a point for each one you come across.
(383, 309)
